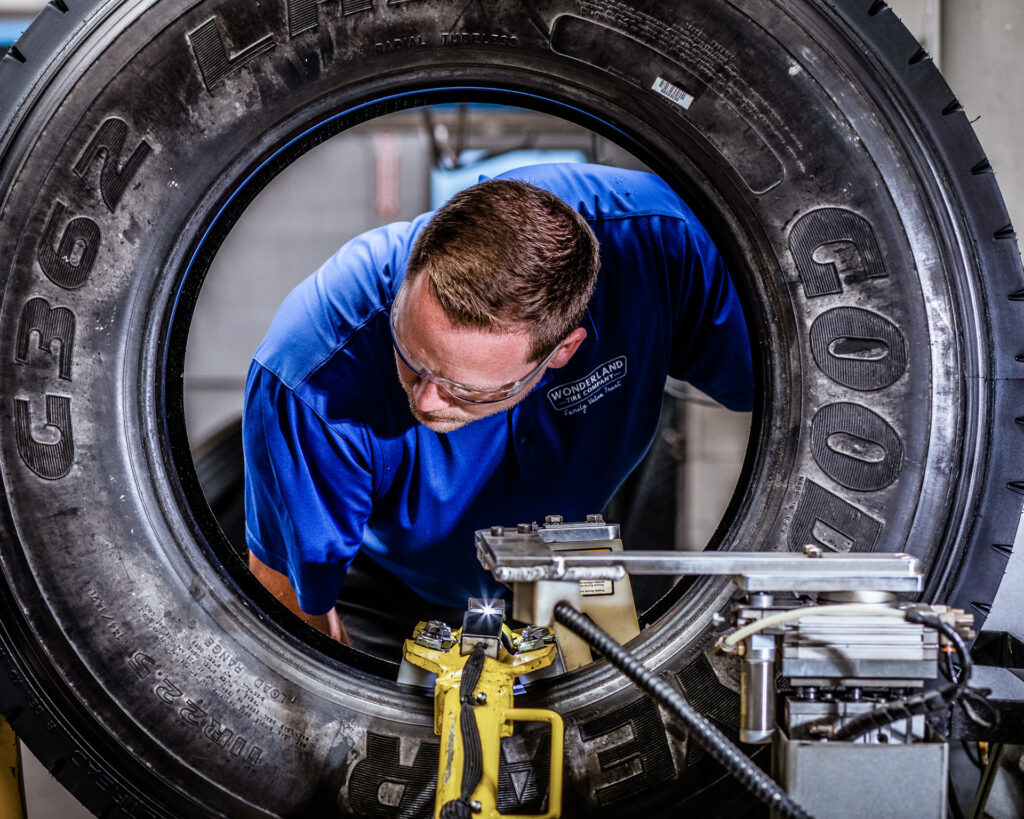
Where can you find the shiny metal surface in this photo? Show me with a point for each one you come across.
(525, 557)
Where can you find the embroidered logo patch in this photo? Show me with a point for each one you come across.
(576, 396)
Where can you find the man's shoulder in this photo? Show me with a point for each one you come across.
(605, 192)
(329, 309)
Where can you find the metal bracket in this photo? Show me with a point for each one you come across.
(521, 557)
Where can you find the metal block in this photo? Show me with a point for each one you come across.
(851, 647)
(849, 671)
(524, 557)
(845, 780)
(535, 603)
(558, 532)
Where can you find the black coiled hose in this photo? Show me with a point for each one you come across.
(714, 741)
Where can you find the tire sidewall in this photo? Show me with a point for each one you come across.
(833, 233)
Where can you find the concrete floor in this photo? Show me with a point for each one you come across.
(44, 796)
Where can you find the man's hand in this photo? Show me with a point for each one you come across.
(277, 584)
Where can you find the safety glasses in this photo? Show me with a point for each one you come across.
(460, 392)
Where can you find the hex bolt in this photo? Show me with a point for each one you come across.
(812, 550)
(434, 635)
(497, 531)
(595, 518)
(554, 519)
(524, 528)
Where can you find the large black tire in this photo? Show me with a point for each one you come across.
(820, 146)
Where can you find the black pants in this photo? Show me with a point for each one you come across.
(379, 611)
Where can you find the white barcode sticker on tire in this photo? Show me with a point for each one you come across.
(672, 92)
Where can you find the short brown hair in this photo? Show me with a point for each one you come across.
(505, 254)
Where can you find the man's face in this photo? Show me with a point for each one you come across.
(476, 358)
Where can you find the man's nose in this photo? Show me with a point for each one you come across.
(429, 397)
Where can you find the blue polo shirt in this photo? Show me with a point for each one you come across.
(335, 462)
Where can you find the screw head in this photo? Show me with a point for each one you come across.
(533, 637)
(813, 550)
(436, 635)
(554, 519)
(481, 697)
(497, 531)
(595, 518)
(524, 528)
(476, 806)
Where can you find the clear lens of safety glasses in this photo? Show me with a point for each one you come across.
(460, 392)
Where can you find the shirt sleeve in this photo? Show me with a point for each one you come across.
(308, 489)
(710, 344)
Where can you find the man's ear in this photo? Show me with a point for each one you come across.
(568, 348)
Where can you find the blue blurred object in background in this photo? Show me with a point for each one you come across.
(11, 30)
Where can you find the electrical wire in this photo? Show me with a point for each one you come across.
(932, 701)
(973, 701)
(949, 669)
(700, 728)
(473, 759)
(974, 757)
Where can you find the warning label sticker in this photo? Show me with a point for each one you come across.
(596, 588)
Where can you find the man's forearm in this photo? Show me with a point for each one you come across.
(277, 584)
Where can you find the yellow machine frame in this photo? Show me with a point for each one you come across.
(495, 716)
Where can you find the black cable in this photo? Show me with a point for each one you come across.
(974, 697)
(950, 633)
(472, 753)
(714, 741)
(927, 702)
(950, 669)
(974, 757)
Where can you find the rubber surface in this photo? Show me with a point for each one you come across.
(815, 139)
